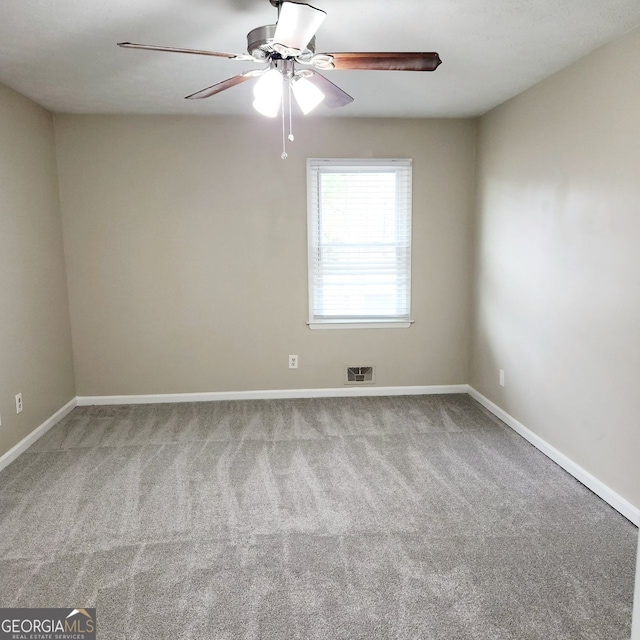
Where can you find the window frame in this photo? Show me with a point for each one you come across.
(372, 164)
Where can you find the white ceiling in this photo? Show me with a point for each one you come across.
(63, 54)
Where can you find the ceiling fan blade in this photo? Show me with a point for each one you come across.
(385, 61)
(197, 52)
(297, 24)
(334, 96)
(226, 84)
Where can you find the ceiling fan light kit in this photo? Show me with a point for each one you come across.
(268, 90)
(290, 42)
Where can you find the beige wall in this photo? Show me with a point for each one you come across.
(557, 269)
(35, 341)
(186, 251)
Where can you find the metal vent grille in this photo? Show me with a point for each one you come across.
(359, 375)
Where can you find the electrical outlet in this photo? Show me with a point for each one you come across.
(18, 403)
(293, 362)
(502, 377)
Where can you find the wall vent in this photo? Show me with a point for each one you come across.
(359, 375)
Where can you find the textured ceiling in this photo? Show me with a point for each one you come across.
(63, 54)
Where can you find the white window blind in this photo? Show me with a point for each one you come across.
(359, 242)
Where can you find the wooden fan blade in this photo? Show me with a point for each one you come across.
(225, 84)
(334, 96)
(197, 52)
(386, 61)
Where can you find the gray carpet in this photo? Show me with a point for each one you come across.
(411, 517)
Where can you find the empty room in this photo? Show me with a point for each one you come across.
(319, 321)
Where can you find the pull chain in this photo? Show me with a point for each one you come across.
(284, 141)
(290, 115)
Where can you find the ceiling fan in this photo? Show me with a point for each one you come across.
(289, 50)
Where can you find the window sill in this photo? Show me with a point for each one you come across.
(359, 324)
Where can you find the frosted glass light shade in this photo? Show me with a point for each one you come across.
(297, 24)
(307, 95)
(268, 93)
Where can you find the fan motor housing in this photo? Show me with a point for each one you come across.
(260, 43)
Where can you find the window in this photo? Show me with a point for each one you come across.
(359, 218)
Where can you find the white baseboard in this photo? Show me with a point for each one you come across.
(38, 432)
(272, 394)
(591, 482)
